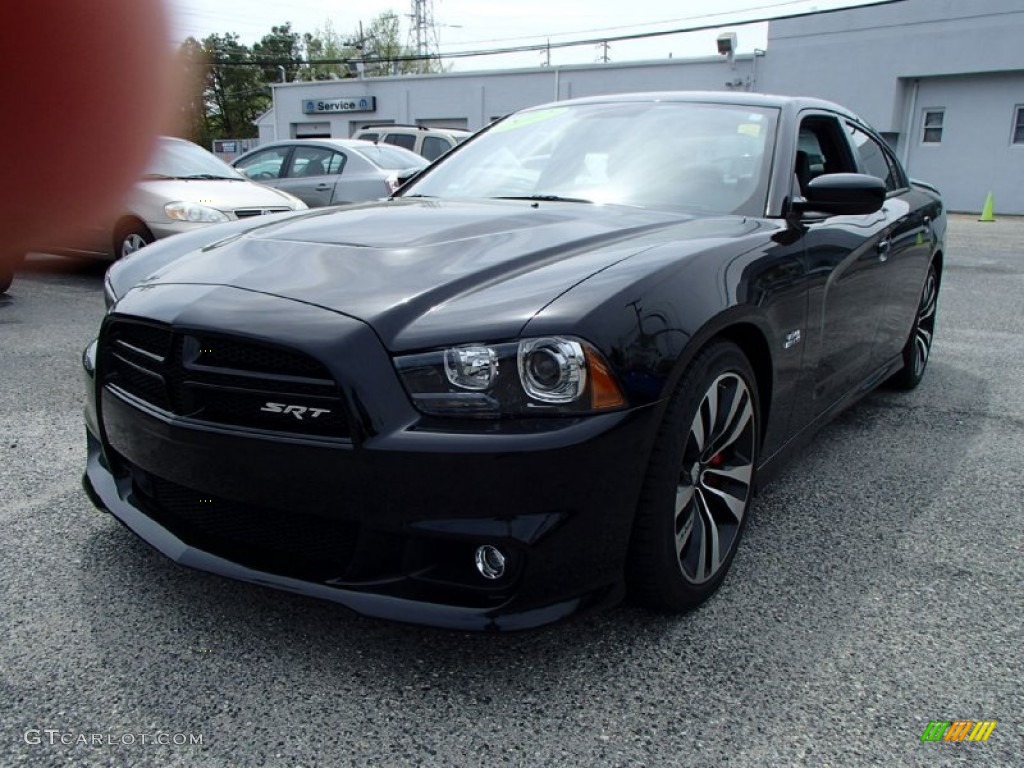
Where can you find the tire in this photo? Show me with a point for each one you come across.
(130, 237)
(917, 350)
(693, 507)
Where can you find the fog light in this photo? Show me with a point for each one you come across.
(490, 561)
(89, 358)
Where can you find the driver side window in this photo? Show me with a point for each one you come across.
(821, 148)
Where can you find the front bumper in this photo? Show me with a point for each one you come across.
(386, 523)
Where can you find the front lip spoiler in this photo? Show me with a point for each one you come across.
(102, 488)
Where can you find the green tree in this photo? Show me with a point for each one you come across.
(282, 47)
(383, 47)
(326, 43)
(194, 119)
(230, 82)
(235, 91)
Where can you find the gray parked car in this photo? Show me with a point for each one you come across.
(330, 171)
(184, 187)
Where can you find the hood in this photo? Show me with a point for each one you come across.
(419, 271)
(224, 195)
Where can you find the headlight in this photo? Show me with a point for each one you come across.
(194, 212)
(292, 200)
(552, 370)
(549, 375)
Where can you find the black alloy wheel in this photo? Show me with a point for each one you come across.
(699, 484)
(918, 348)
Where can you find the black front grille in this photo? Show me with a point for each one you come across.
(292, 544)
(246, 213)
(222, 379)
(136, 359)
(212, 351)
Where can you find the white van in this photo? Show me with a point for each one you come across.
(429, 142)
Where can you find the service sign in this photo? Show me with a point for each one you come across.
(320, 106)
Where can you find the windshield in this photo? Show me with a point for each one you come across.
(392, 158)
(177, 159)
(674, 155)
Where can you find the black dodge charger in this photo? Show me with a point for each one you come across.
(555, 366)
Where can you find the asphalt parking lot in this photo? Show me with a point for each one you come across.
(880, 586)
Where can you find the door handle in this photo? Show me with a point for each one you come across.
(884, 246)
(322, 187)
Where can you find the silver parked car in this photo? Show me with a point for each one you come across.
(330, 171)
(183, 187)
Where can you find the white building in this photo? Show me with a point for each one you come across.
(942, 80)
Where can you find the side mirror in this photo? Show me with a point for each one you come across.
(842, 194)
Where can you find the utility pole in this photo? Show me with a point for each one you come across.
(423, 35)
(359, 46)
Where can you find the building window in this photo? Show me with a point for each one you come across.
(933, 126)
(1018, 126)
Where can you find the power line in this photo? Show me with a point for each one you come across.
(656, 23)
(546, 46)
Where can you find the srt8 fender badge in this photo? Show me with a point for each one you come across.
(298, 411)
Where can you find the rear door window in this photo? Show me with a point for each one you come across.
(404, 140)
(875, 159)
(315, 161)
(434, 147)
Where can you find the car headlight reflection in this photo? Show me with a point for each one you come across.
(548, 375)
(195, 213)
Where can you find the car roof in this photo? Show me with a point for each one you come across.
(387, 127)
(334, 143)
(741, 98)
(359, 145)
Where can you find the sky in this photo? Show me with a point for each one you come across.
(464, 25)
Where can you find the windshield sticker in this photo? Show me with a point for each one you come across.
(749, 129)
(528, 118)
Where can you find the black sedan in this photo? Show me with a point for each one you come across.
(556, 365)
